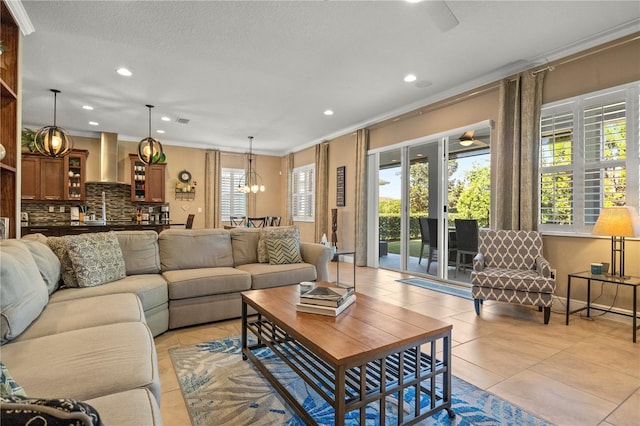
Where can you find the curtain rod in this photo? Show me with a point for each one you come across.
(551, 67)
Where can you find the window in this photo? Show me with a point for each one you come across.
(589, 158)
(233, 203)
(303, 193)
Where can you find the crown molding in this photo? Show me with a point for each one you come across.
(20, 15)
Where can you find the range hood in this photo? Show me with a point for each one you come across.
(108, 158)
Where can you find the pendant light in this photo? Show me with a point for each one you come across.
(252, 180)
(53, 141)
(150, 149)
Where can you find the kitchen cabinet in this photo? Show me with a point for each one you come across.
(48, 179)
(75, 177)
(10, 99)
(147, 181)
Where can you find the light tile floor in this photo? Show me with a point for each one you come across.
(586, 373)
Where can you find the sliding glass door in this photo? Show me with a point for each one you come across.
(417, 189)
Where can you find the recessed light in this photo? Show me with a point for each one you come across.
(165, 118)
(328, 112)
(160, 131)
(125, 72)
(413, 1)
(418, 155)
(94, 123)
(87, 107)
(410, 78)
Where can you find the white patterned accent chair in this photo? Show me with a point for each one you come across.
(510, 267)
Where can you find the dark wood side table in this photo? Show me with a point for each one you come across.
(633, 282)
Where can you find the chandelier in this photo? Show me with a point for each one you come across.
(53, 141)
(252, 180)
(150, 149)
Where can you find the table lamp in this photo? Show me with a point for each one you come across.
(617, 222)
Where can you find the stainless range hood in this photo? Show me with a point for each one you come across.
(108, 159)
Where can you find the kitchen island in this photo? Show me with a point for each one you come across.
(57, 229)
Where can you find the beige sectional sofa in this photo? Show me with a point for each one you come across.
(95, 343)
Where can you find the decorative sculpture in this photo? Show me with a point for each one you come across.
(334, 228)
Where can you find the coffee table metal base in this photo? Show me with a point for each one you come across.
(354, 387)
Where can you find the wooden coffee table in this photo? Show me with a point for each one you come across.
(371, 352)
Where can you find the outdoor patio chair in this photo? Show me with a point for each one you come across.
(424, 235)
(432, 224)
(466, 241)
(509, 267)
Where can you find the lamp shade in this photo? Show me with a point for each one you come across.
(618, 222)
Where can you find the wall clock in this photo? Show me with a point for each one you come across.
(184, 176)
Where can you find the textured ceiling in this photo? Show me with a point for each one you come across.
(269, 68)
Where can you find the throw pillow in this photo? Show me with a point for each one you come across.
(8, 386)
(274, 232)
(59, 248)
(48, 263)
(140, 251)
(96, 258)
(23, 294)
(283, 251)
(20, 410)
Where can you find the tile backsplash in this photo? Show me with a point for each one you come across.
(118, 201)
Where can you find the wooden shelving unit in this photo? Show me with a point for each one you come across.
(9, 131)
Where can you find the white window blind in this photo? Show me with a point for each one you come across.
(589, 158)
(232, 203)
(303, 193)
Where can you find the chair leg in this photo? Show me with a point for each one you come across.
(421, 251)
(547, 314)
(429, 260)
(476, 305)
(539, 308)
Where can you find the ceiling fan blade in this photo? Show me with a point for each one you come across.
(440, 13)
(467, 136)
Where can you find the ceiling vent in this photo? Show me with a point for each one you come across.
(182, 120)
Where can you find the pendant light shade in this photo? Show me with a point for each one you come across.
(150, 149)
(252, 180)
(53, 141)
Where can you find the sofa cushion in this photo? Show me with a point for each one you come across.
(200, 282)
(283, 251)
(134, 407)
(151, 290)
(96, 258)
(23, 293)
(84, 313)
(140, 251)
(195, 248)
(99, 360)
(244, 242)
(271, 233)
(20, 410)
(48, 263)
(266, 276)
(8, 386)
(59, 247)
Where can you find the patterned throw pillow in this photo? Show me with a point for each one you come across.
(283, 251)
(8, 386)
(59, 247)
(96, 258)
(274, 232)
(20, 410)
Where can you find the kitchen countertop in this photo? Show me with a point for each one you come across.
(118, 223)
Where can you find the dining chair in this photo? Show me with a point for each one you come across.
(466, 241)
(432, 225)
(256, 222)
(275, 221)
(236, 220)
(424, 235)
(189, 223)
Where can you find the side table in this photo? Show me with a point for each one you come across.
(336, 258)
(633, 282)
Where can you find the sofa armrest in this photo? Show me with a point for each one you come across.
(319, 256)
(543, 267)
(478, 262)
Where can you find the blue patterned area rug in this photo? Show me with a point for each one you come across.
(220, 388)
(439, 287)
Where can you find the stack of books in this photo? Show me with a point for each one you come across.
(330, 301)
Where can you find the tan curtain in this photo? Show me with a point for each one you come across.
(362, 146)
(212, 189)
(516, 162)
(288, 216)
(322, 193)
